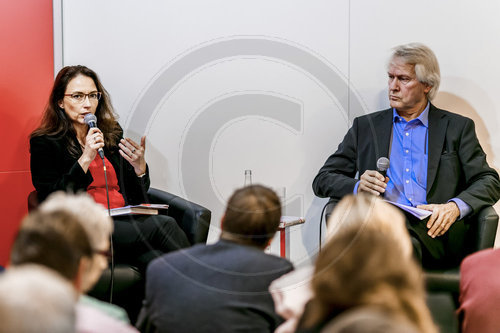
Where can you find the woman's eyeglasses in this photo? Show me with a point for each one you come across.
(105, 253)
(80, 97)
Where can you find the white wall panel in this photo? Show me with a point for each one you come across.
(223, 86)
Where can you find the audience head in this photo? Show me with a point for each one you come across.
(54, 240)
(96, 223)
(368, 211)
(92, 217)
(367, 320)
(252, 216)
(425, 62)
(68, 233)
(360, 267)
(35, 299)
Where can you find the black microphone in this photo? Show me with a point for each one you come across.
(382, 165)
(91, 120)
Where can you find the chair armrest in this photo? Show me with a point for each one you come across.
(124, 276)
(442, 281)
(328, 209)
(193, 219)
(487, 223)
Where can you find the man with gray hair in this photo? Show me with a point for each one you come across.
(436, 161)
(36, 299)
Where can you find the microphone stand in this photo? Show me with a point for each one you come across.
(110, 237)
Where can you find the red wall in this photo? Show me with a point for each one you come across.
(26, 76)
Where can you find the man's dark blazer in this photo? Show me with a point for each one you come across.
(54, 169)
(222, 287)
(457, 166)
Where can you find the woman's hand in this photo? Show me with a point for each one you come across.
(134, 154)
(93, 141)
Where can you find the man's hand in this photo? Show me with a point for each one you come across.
(443, 216)
(372, 182)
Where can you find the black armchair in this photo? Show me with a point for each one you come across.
(481, 235)
(193, 219)
(443, 286)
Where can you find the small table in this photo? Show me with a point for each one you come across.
(284, 229)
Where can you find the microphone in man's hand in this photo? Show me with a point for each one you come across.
(91, 120)
(383, 165)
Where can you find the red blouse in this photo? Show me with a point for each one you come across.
(97, 189)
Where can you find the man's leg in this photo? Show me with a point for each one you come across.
(417, 248)
(427, 250)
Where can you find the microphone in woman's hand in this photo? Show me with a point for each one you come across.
(91, 120)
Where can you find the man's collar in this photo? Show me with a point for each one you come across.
(423, 117)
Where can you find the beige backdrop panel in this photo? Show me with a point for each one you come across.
(222, 86)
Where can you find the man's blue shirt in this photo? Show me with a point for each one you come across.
(408, 163)
(408, 168)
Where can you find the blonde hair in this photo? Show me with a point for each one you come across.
(36, 299)
(425, 62)
(359, 267)
(92, 216)
(368, 211)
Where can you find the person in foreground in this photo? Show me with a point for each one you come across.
(436, 161)
(64, 156)
(98, 228)
(359, 268)
(480, 292)
(367, 320)
(221, 287)
(75, 245)
(292, 291)
(35, 299)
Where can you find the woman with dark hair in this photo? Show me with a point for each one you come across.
(64, 156)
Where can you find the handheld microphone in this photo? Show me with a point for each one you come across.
(91, 120)
(382, 165)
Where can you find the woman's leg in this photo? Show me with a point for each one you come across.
(138, 239)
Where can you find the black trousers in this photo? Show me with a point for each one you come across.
(138, 239)
(441, 252)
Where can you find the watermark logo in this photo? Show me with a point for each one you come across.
(200, 132)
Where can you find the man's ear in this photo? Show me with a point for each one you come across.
(427, 88)
(83, 267)
(222, 221)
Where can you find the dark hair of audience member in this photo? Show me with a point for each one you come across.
(252, 216)
(359, 267)
(52, 239)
